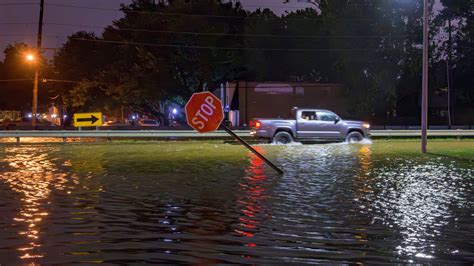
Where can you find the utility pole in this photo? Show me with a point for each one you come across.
(424, 83)
(448, 69)
(38, 52)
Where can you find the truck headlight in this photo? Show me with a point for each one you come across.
(366, 125)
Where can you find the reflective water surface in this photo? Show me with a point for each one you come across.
(193, 202)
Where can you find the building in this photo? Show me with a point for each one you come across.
(247, 100)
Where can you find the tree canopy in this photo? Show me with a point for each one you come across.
(160, 52)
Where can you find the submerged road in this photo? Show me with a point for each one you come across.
(197, 202)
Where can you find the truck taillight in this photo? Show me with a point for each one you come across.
(255, 124)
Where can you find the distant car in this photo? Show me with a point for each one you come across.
(114, 124)
(149, 123)
(310, 125)
(174, 123)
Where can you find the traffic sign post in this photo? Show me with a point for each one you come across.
(204, 114)
(228, 130)
(87, 119)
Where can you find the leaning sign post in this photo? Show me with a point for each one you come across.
(204, 114)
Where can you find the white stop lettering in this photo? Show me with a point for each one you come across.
(207, 109)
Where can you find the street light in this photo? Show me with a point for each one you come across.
(30, 57)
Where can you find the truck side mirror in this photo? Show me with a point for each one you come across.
(337, 120)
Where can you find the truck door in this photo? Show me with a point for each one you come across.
(328, 125)
(308, 125)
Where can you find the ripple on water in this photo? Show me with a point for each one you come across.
(127, 204)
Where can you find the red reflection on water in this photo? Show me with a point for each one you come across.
(252, 197)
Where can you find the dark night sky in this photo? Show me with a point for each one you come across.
(55, 35)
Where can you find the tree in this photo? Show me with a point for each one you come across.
(17, 78)
(146, 77)
(162, 51)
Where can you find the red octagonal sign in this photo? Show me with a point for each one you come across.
(204, 112)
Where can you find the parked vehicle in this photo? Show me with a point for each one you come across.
(310, 125)
(149, 123)
(115, 124)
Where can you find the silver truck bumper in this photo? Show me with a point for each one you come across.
(261, 133)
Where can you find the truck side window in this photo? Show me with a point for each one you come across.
(308, 115)
(326, 116)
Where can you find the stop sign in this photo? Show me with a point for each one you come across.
(204, 112)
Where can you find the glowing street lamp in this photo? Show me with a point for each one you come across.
(30, 57)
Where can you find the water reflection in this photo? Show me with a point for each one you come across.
(31, 173)
(417, 197)
(363, 185)
(253, 192)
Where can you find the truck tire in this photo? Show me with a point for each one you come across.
(282, 137)
(354, 137)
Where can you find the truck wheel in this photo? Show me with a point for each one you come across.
(354, 137)
(282, 137)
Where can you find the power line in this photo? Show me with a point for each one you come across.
(244, 6)
(226, 34)
(61, 80)
(227, 48)
(256, 35)
(14, 80)
(18, 4)
(206, 15)
(24, 35)
(44, 80)
(204, 33)
(274, 6)
(18, 23)
(230, 34)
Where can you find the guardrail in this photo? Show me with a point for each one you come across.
(189, 134)
(185, 127)
(117, 134)
(417, 133)
(418, 127)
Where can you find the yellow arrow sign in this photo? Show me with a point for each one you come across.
(87, 119)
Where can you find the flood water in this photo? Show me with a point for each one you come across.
(194, 202)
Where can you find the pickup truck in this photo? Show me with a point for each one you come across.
(309, 125)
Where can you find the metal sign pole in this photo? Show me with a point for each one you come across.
(228, 130)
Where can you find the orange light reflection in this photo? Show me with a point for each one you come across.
(31, 176)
